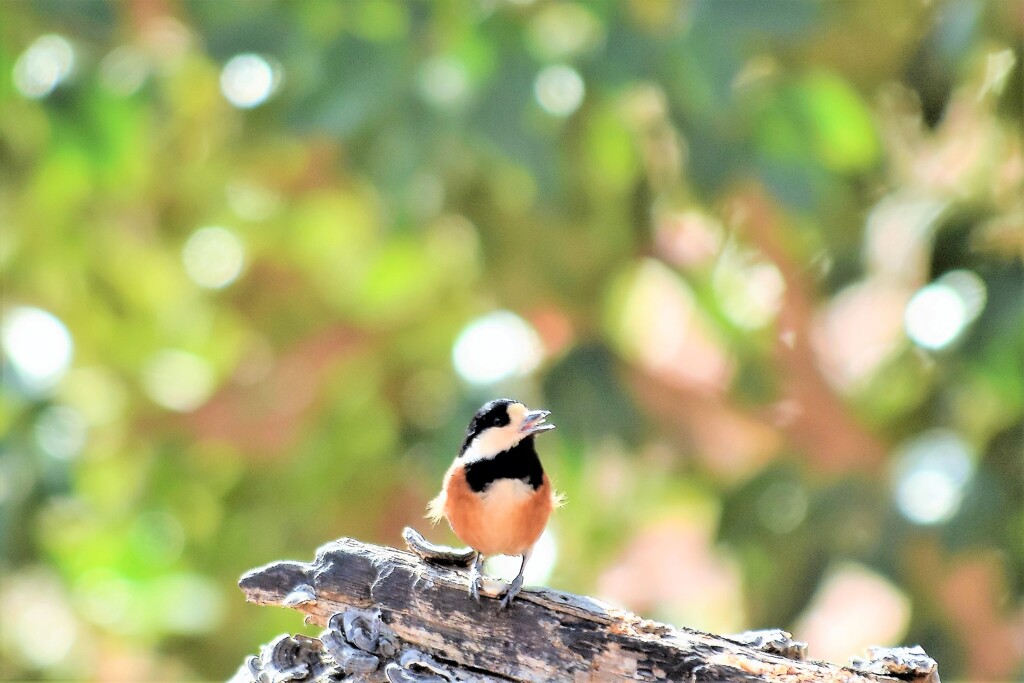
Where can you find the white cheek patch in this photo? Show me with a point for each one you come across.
(516, 415)
(488, 444)
(497, 439)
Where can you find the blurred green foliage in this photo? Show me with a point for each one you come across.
(772, 252)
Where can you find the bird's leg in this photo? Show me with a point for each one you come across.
(517, 583)
(475, 577)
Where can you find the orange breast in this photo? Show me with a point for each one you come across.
(506, 519)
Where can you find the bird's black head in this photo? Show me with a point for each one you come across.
(491, 414)
(501, 424)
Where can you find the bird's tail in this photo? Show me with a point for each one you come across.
(435, 508)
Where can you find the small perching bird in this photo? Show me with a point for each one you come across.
(496, 495)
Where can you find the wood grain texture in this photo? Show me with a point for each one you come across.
(546, 636)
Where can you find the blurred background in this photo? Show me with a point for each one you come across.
(763, 261)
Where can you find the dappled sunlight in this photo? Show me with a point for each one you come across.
(662, 327)
(930, 475)
(749, 290)
(61, 432)
(443, 82)
(40, 627)
(44, 66)
(249, 80)
(251, 201)
(178, 380)
(672, 571)
(859, 331)
(38, 346)
(559, 90)
(853, 609)
(689, 239)
(213, 257)
(495, 347)
(124, 70)
(939, 313)
(763, 266)
(898, 232)
(560, 30)
(96, 394)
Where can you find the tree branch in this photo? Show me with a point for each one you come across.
(394, 617)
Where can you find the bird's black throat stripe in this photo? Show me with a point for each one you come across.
(519, 462)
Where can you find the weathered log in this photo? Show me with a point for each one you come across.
(393, 616)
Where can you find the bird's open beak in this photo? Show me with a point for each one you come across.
(533, 422)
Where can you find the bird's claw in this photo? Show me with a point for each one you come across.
(476, 578)
(512, 592)
(475, 582)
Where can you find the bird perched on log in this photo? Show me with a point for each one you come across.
(496, 495)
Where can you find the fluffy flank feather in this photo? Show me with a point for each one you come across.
(435, 508)
(558, 499)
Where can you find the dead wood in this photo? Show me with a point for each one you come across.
(391, 616)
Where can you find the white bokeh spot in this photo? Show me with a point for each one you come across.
(495, 347)
(932, 472)
(443, 81)
(213, 257)
(559, 90)
(939, 313)
(38, 346)
(44, 65)
(178, 380)
(61, 432)
(248, 80)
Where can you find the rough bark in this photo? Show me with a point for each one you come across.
(426, 624)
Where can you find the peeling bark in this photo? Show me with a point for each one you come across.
(425, 622)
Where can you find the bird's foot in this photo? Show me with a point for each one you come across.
(475, 583)
(512, 592)
(476, 578)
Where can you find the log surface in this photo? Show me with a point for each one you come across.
(546, 635)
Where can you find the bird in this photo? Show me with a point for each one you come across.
(496, 495)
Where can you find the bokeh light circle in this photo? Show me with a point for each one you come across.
(248, 80)
(495, 347)
(213, 257)
(38, 347)
(559, 90)
(43, 66)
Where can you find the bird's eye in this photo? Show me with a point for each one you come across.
(496, 422)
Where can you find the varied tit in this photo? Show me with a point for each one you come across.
(496, 495)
